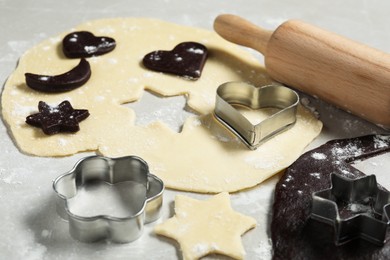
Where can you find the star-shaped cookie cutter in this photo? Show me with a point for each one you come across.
(240, 93)
(357, 208)
(94, 169)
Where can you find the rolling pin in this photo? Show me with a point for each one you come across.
(350, 75)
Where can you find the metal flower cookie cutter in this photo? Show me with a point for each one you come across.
(144, 199)
(240, 93)
(357, 208)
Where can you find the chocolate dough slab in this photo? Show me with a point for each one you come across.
(294, 235)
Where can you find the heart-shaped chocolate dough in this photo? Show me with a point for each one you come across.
(294, 234)
(84, 44)
(186, 59)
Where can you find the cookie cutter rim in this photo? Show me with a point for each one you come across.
(325, 209)
(115, 229)
(241, 93)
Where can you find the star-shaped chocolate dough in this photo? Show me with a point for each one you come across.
(205, 227)
(61, 118)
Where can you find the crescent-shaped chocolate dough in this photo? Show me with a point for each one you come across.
(67, 81)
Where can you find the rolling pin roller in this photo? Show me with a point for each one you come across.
(340, 71)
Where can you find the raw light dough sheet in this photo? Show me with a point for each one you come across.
(204, 157)
(117, 78)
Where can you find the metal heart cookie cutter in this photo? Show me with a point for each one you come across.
(240, 93)
(357, 208)
(144, 199)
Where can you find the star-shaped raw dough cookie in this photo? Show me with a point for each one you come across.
(204, 227)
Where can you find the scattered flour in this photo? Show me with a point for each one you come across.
(202, 248)
(264, 250)
(380, 141)
(315, 175)
(306, 103)
(318, 156)
(9, 177)
(264, 162)
(350, 149)
(20, 110)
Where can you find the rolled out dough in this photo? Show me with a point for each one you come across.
(204, 157)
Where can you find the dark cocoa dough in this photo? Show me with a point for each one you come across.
(186, 59)
(294, 234)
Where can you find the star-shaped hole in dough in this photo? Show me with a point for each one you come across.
(206, 227)
(172, 111)
(61, 118)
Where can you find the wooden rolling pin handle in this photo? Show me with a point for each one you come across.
(238, 30)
